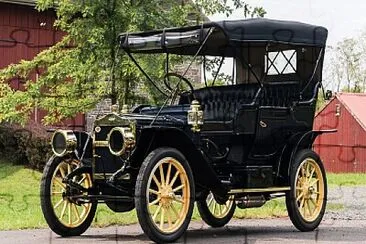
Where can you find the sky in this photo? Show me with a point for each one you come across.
(343, 19)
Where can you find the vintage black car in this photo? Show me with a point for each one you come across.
(228, 146)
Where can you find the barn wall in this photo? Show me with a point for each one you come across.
(345, 150)
(24, 32)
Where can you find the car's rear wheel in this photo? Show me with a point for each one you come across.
(306, 201)
(164, 195)
(214, 213)
(64, 214)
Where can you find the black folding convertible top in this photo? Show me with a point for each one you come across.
(187, 40)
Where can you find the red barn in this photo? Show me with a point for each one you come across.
(344, 151)
(24, 32)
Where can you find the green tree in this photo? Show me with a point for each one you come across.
(347, 65)
(87, 65)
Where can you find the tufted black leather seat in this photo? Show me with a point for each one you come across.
(279, 94)
(220, 103)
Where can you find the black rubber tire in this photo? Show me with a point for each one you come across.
(47, 208)
(140, 195)
(293, 211)
(209, 218)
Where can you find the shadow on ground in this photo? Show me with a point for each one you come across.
(241, 234)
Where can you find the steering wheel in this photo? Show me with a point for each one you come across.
(180, 91)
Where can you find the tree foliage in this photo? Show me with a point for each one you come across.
(87, 64)
(347, 70)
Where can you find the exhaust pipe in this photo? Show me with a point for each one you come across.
(250, 202)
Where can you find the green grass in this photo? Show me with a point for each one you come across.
(19, 198)
(350, 179)
(20, 204)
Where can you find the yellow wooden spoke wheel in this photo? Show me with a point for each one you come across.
(65, 215)
(306, 201)
(309, 189)
(164, 195)
(219, 210)
(214, 213)
(69, 213)
(168, 195)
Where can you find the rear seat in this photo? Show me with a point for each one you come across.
(220, 103)
(279, 94)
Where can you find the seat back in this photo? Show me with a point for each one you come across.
(279, 94)
(220, 103)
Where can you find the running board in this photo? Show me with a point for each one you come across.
(259, 190)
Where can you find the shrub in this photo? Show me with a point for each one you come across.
(28, 146)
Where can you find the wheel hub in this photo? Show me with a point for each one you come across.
(305, 189)
(308, 190)
(166, 196)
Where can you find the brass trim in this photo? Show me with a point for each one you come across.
(128, 142)
(195, 116)
(70, 142)
(257, 190)
(101, 144)
(97, 129)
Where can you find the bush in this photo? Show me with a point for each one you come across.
(28, 146)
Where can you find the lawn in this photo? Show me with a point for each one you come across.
(20, 206)
(352, 179)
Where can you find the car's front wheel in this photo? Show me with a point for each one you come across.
(306, 201)
(164, 195)
(63, 213)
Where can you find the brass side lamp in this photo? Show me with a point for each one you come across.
(195, 116)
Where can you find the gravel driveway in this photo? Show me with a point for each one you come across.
(354, 201)
(343, 226)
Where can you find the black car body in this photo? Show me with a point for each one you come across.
(239, 144)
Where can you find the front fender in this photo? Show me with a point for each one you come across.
(154, 137)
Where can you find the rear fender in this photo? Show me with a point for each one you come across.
(154, 137)
(297, 142)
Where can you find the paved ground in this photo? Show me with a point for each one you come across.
(243, 231)
(346, 226)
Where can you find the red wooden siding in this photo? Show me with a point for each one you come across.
(24, 32)
(345, 150)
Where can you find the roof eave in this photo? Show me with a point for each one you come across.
(359, 121)
(20, 2)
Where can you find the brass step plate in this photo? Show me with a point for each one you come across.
(259, 190)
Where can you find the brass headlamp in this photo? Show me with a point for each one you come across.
(195, 116)
(63, 142)
(121, 140)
